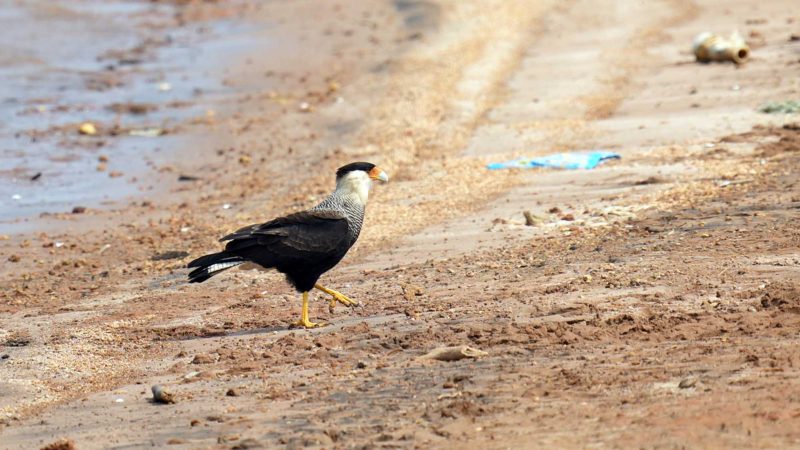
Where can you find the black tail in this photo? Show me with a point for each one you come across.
(210, 265)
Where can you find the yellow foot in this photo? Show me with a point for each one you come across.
(337, 296)
(343, 299)
(306, 324)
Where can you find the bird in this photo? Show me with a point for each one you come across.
(303, 245)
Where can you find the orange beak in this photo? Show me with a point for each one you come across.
(378, 174)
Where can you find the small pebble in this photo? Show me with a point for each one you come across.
(88, 129)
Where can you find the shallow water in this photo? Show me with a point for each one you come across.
(63, 63)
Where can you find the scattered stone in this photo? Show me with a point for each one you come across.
(14, 258)
(61, 444)
(361, 365)
(191, 375)
(410, 291)
(202, 358)
(115, 174)
(132, 108)
(531, 220)
(782, 296)
(568, 217)
(148, 132)
(454, 353)
(650, 180)
(172, 254)
(687, 382)
(79, 210)
(161, 395)
(88, 129)
(232, 393)
(248, 443)
(227, 438)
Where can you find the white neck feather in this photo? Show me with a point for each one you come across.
(355, 185)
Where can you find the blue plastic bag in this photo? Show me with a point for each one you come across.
(572, 160)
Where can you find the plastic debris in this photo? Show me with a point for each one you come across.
(709, 47)
(573, 160)
(785, 107)
(161, 395)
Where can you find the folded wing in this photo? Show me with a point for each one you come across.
(305, 236)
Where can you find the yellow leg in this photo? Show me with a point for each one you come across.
(336, 296)
(304, 322)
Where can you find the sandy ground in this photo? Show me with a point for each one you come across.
(655, 303)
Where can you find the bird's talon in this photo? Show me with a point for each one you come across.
(343, 300)
(336, 296)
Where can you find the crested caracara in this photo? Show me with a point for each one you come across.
(302, 245)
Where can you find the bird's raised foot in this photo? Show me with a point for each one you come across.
(336, 296)
(307, 324)
(343, 299)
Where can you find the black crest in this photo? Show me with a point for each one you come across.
(344, 170)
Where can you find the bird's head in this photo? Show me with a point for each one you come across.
(356, 178)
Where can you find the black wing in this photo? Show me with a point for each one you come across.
(304, 235)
